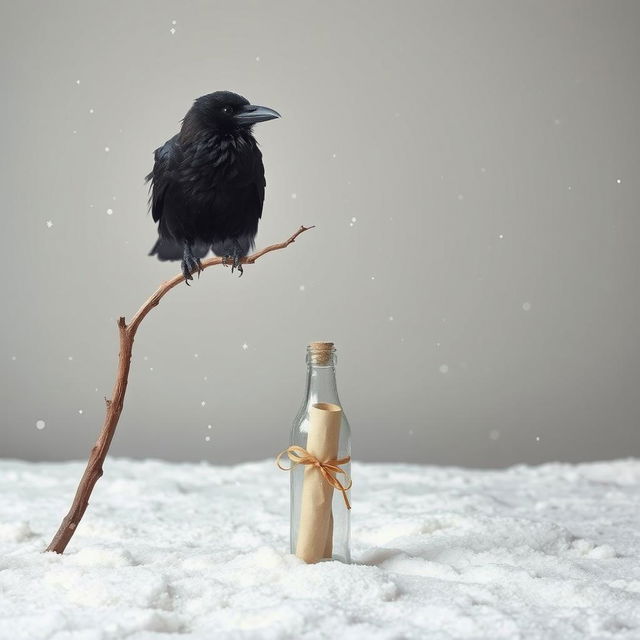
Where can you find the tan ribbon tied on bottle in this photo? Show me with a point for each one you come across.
(299, 455)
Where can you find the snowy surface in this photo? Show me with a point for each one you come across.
(196, 551)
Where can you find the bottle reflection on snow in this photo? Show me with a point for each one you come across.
(321, 388)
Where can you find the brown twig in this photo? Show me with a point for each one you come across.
(93, 470)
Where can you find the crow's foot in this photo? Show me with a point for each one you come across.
(237, 264)
(233, 257)
(237, 259)
(190, 264)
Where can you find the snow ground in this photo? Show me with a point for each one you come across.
(196, 551)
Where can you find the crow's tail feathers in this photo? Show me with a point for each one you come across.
(168, 249)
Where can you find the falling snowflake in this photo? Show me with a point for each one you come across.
(91, 111)
(257, 58)
(207, 438)
(109, 212)
(537, 438)
(209, 426)
(40, 425)
(460, 196)
(301, 287)
(172, 31)
(444, 368)
(390, 318)
(195, 355)
(203, 403)
(501, 236)
(49, 224)
(245, 346)
(373, 277)
(80, 411)
(77, 81)
(294, 196)
(619, 181)
(107, 149)
(494, 434)
(526, 306)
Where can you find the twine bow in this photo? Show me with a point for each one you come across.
(298, 455)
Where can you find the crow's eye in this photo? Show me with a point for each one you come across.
(228, 111)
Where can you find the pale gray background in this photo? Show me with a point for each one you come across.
(484, 302)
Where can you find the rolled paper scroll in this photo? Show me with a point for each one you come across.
(315, 533)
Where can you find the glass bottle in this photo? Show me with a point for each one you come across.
(321, 388)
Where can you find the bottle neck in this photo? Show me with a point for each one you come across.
(321, 384)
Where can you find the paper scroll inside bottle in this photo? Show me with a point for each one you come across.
(315, 533)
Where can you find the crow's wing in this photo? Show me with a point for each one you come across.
(258, 181)
(162, 175)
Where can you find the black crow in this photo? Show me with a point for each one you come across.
(207, 184)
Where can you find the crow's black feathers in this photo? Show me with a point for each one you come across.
(207, 183)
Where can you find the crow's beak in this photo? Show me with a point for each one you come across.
(252, 113)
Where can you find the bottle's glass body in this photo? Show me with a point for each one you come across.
(321, 388)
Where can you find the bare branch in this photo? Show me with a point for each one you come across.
(93, 470)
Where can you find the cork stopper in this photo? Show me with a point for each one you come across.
(321, 352)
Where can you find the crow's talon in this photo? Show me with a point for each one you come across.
(190, 264)
(237, 264)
